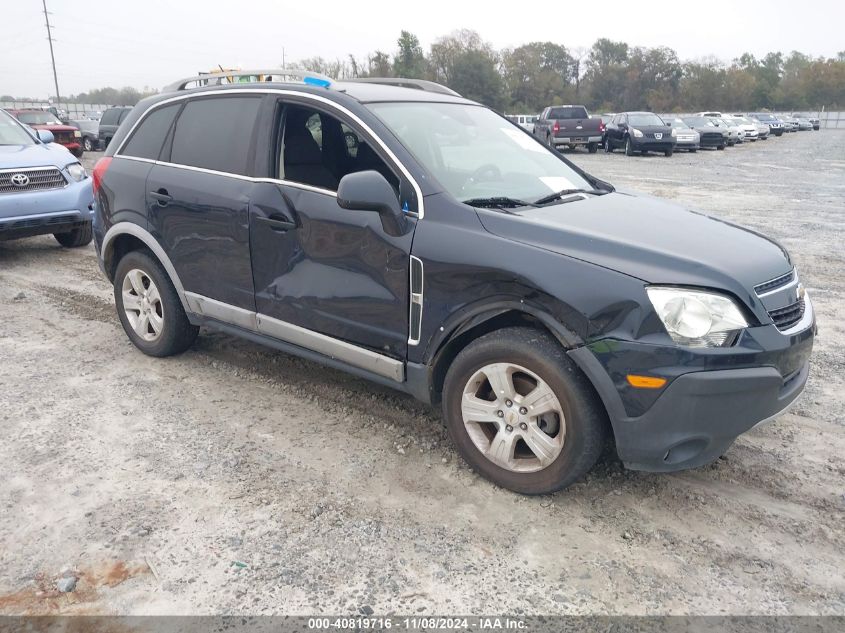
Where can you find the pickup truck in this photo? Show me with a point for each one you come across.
(569, 125)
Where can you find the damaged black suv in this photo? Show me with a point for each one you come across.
(423, 241)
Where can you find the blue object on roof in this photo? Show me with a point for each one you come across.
(314, 81)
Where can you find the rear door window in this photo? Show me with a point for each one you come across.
(123, 114)
(110, 117)
(216, 133)
(148, 138)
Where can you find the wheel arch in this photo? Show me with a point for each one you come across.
(125, 237)
(483, 320)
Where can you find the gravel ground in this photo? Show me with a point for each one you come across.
(234, 479)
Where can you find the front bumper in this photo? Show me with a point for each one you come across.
(48, 211)
(712, 396)
(652, 144)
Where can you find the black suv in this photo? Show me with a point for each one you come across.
(422, 241)
(110, 122)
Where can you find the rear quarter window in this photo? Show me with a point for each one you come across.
(215, 133)
(147, 139)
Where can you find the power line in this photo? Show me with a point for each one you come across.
(52, 56)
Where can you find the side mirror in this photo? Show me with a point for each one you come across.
(45, 136)
(370, 191)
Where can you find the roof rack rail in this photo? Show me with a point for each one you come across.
(402, 82)
(250, 75)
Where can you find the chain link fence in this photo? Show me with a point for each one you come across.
(74, 111)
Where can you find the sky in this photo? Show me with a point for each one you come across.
(154, 42)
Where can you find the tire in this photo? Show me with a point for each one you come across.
(668, 153)
(608, 146)
(693, 150)
(629, 148)
(549, 141)
(720, 147)
(88, 144)
(77, 152)
(571, 445)
(138, 272)
(592, 147)
(77, 237)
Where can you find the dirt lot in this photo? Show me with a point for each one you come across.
(234, 479)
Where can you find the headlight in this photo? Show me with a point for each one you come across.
(77, 134)
(636, 132)
(76, 171)
(695, 318)
(674, 132)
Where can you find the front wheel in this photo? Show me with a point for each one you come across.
(629, 147)
(149, 307)
(608, 146)
(668, 152)
(521, 413)
(720, 147)
(77, 237)
(88, 144)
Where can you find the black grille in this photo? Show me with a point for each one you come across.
(784, 318)
(38, 179)
(775, 283)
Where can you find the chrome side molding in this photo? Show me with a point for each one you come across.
(299, 336)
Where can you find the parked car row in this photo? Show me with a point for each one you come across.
(571, 126)
(78, 135)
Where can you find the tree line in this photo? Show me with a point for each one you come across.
(609, 76)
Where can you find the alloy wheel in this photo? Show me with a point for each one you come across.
(142, 305)
(513, 417)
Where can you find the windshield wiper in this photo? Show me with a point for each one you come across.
(498, 201)
(566, 192)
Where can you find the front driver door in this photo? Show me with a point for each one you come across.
(316, 266)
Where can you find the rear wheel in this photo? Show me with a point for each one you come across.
(77, 237)
(592, 147)
(608, 146)
(149, 308)
(521, 413)
(88, 144)
(629, 147)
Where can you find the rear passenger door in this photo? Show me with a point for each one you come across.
(198, 198)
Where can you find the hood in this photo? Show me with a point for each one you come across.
(12, 156)
(651, 129)
(648, 238)
(53, 127)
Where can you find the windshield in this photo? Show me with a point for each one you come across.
(473, 153)
(645, 118)
(679, 124)
(38, 118)
(568, 112)
(699, 121)
(764, 117)
(11, 133)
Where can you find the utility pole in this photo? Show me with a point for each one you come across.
(283, 56)
(52, 56)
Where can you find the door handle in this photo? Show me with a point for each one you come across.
(277, 223)
(161, 196)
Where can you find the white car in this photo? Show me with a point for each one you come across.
(748, 128)
(735, 133)
(525, 121)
